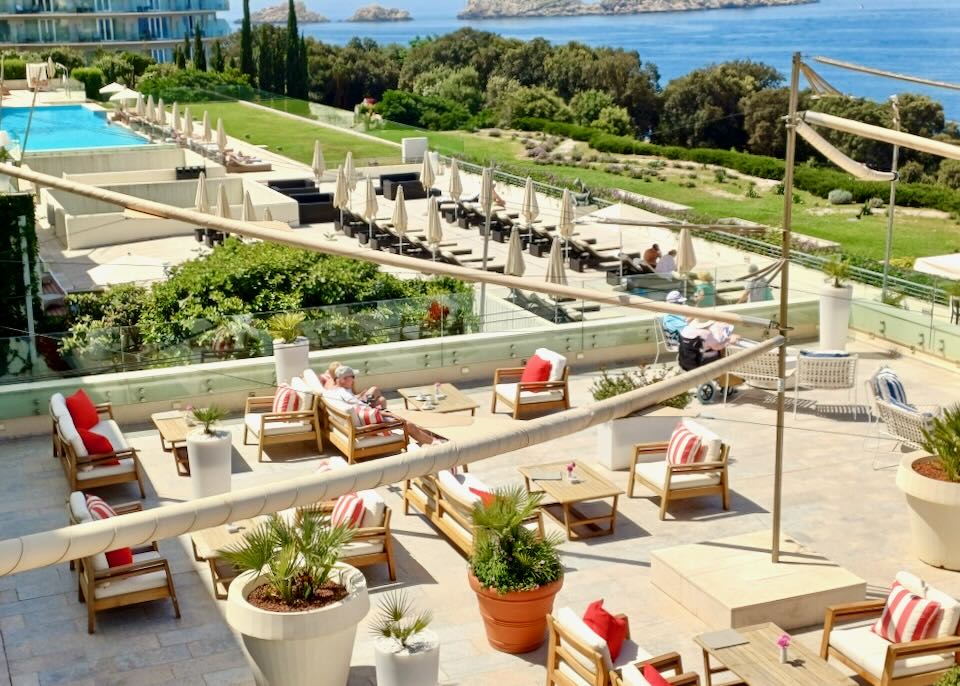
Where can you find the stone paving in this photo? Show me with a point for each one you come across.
(835, 501)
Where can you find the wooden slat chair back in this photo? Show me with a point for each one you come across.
(522, 406)
(268, 427)
(362, 442)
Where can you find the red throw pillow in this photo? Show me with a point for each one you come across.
(907, 617)
(99, 509)
(611, 629)
(536, 369)
(653, 677)
(486, 497)
(82, 410)
(347, 510)
(97, 444)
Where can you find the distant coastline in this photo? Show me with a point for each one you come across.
(519, 9)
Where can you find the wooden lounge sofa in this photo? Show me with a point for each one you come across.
(103, 587)
(532, 397)
(358, 443)
(86, 471)
(447, 501)
(274, 428)
(649, 466)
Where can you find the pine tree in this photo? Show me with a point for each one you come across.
(246, 45)
(186, 46)
(217, 61)
(199, 54)
(293, 53)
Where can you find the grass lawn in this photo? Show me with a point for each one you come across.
(459, 143)
(293, 138)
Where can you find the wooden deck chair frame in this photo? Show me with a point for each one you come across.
(88, 578)
(667, 494)
(660, 336)
(72, 463)
(522, 410)
(263, 406)
(370, 534)
(872, 609)
(340, 432)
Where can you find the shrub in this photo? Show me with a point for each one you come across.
(839, 196)
(609, 386)
(951, 678)
(208, 416)
(14, 68)
(720, 175)
(92, 79)
(837, 269)
(942, 439)
(875, 203)
(949, 174)
(191, 85)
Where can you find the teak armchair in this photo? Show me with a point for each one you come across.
(532, 397)
(362, 442)
(677, 481)
(370, 545)
(272, 428)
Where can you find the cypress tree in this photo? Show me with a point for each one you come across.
(293, 52)
(217, 60)
(186, 46)
(247, 65)
(178, 57)
(264, 60)
(304, 72)
(199, 54)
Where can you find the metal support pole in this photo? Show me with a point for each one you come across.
(891, 208)
(488, 211)
(26, 132)
(28, 292)
(784, 302)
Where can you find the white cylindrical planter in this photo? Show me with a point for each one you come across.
(834, 316)
(210, 462)
(418, 664)
(312, 648)
(934, 512)
(616, 439)
(291, 359)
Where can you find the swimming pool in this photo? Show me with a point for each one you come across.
(66, 127)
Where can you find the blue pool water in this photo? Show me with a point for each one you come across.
(65, 127)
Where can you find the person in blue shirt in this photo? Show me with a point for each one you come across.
(673, 323)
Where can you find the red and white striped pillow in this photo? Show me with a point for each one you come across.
(364, 415)
(348, 510)
(285, 399)
(907, 617)
(684, 447)
(99, 509)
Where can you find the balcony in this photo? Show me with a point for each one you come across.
(86, 7)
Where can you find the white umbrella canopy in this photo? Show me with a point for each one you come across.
(349, 171)
(434, 230)
(486, 192)
(207, 134)
(187, 122)
(427, 177)
(370, 205)
(530, 209)
(248, 213)
(175, 116)
(686, 257)
(319, 165)
(454, 185)
(341, 194)
(223, 203)
(51, 68)
(140, 105)
(148, 113)
(112, 88)
(399, 218)
(556, 273)
(126, 95)
(159, 112)
(565, 224)
(515, 265)
(201, 202)
(221, 136)
(267, 214)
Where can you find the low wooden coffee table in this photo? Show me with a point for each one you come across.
(757, 662)
(564, 495)
(207, 545)
(173, 430)
(455, 400)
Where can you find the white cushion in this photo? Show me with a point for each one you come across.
(656, 473)
(459, 485)
(110, 429)
(78, 507)
(335, 462)
(632, 676)
(951, 608)
(395, 436)
(313, 382)
(58, 407)
(357, 548)
(338, 404)
(303, 393)
(574, 626)
(141, 582)
(708, 439)
(374, 507)
(509, 391)
(252, 421)
(126, 466)
(557, 362)
(869, 651)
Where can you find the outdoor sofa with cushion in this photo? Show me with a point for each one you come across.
(550, 390)
(272, 428)
(357, 441)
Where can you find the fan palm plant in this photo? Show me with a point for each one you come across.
(286, 326)
(942, 438)
(397, 621)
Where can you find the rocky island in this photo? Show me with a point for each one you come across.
(496, 9)
(277, 14)
(373, 13)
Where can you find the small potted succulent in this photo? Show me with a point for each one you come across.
(617, 438)
(931, 484)
(210, 451)
(291, 349)
(406, 652)
(835, 305)
(294, 605)
(515, 573)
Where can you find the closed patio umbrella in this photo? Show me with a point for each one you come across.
(434, 232)
(248, 213)
(223, 204)
(486, 204)
(207, 134)
(221, 137)
(148, 112)
(350, 172)
(370, 206)
(140, 106)
(319, 165)
(267, 214)
(556, 273)
(567, 215)
(399, 218)
(515, 265)
(454, 185)
(175, 117)
(51, 68)
(112, 88)
(201, 202)
(530, 209)
(427, 177)
(341, 194)
(187, 122)
(686, 258)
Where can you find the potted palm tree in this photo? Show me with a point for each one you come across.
(291, 348)
(294, 605)
(209, 451)
(406, 652)
(835, 305)
(515, 573)
(616, 438)
(931, 484)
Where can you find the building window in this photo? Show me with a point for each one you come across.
(47, 29)
(159, 54)
(105, 29)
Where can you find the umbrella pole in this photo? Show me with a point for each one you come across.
(370, 234)
(891, 208)
(483, 285)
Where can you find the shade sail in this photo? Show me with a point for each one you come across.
(879, 133)
(847, 164)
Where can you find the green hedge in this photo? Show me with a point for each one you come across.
(92, 80)
(14, 68)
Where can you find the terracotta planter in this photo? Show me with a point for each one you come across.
(934, 511)
(515, 622)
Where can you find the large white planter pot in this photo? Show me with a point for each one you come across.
(934, 512)
(398, 666)
(291, 359)
(310, 648)
(616, 439)
(834, 316)
(210, 462)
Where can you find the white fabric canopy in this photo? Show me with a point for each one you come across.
(319, 165)
(399, 218)
(112, 88)
(349, 171)
(567, 215)
(847, 164)
(370, 205)
(200, 202)
(686, 257)
(223, 204)
(221, 136)
(879, 133)
(515, 265)
(455, 186)
(555, 269)
(947, 266)
(486, 191)
(125, 95)
(434, 231)
(207, 134)
(341, 195)
(427, 177)
(530, 209)
(248, 213)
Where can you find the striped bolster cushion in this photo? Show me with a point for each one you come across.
(891, 388)
(286, 399)
(684, 446)
(347, 511)
(99, 509)
(907, 617)
(364, 415)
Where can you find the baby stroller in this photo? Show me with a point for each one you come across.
(690, 356)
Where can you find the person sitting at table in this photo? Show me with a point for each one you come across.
(371, 396)
(667, 263)
(673, 324)
(651, 256)
(706, 293)
(343, 391)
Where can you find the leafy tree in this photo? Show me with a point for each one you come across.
(524, 62)
(92, 79)
(139, 61)
(190, 85)
(428, 112)
(615, 120)
(949, 175)
(534, 101)
(199, 52)
(343, 76)
(464, 48)
(912, 172)
(217, 61)
(116, 67)
(587, 105)
(247, 65)
(271, 66)
(763, 113)
(456, 85)
(499, 88)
